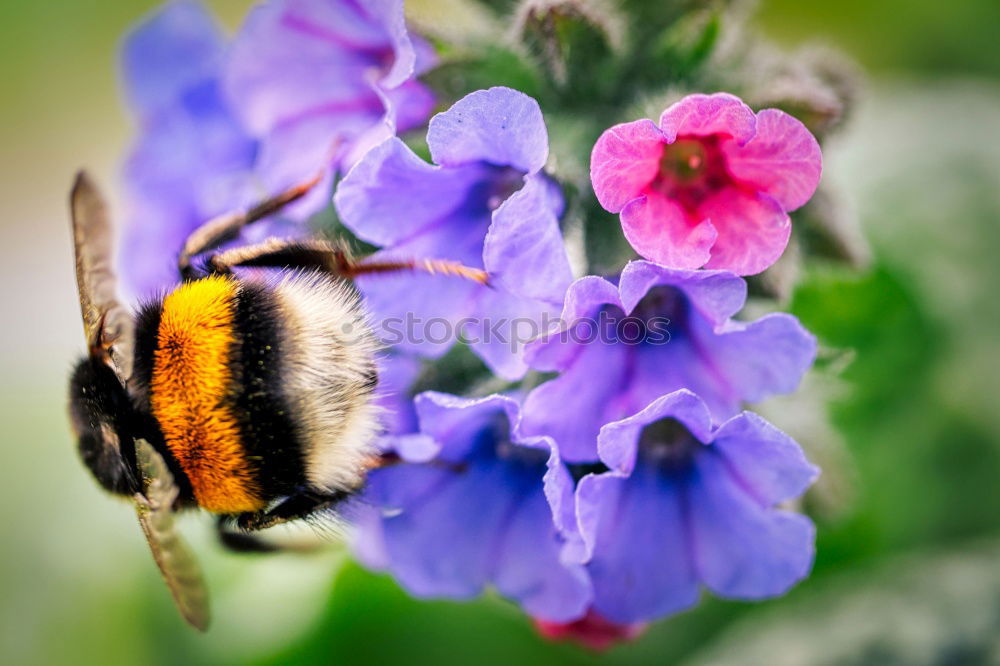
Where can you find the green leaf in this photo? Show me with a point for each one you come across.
(492, 65)
(926, 472)
(686, 45)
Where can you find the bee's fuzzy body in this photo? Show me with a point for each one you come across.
(260, 388)
(246, 391)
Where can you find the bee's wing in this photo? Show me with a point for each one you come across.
(106, 321)
(156, 516)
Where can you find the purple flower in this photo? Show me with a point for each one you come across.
(484, 202)
(686, 505)
(473, 504)
(396, 375)
(191, 160)
(658, 331)
(321, 81)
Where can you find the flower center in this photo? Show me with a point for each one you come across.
(691, 168)
(684, 161)
(492, 186)
(493, 441)
(663, 302)
(504, 182)
(668, 444)
(659, 317)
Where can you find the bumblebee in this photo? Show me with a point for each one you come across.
(247, 395)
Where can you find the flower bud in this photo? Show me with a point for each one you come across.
(818, 86)
(573, 40)
(591, 630)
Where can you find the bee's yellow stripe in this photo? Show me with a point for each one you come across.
(190, 386)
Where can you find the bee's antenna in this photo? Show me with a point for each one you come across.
(431, 266)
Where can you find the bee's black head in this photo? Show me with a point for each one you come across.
(103, 419)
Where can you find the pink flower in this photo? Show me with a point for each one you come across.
(591, 630)
(711, 185)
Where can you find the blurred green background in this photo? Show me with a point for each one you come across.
(908, 567)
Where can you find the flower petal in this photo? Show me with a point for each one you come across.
(412, 447)
(559, 489)
(396, 374)
(426, 56)
(292, 154)
(371, 135)
(660, 230)
(362, 26)
(458, 531)
(642, 565)
(431, 316)
(502, 325)
(742, 550)
(783, 159)
(190, 163)
(624, 161)
(728, 366)
(410, 104)
(681, 364)
(529, 568)
(340, 69)
(761, 358)
(572, 407)
(717, 295)
(388, 14)
(557, 348)
(392, 195)
(150, 227)
(524, 251)
(427, 320)
(442, 543)
(753, 230)
(454, 421)
(766, 461)
(500, 126)
(618, 442)
(446, 417)
(485, 520)
(177, 46)
(194, 146)
(705, 115)
(416, 312)
(406, 106)
(282, 67)
(368, 540)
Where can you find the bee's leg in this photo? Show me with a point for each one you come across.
(240, 542)
(227, 226)
(295, 507)
(331, 258)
